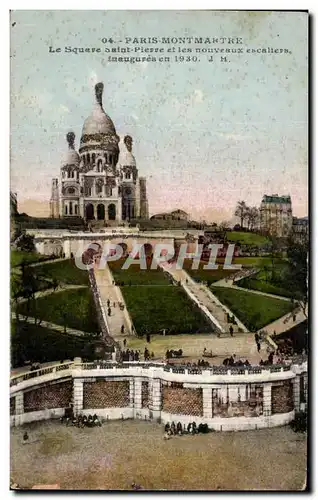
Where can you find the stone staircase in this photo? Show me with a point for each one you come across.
(108, 291)
(214, 310)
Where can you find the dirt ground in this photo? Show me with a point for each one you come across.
(119, 453)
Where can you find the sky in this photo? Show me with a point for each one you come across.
(206, 135)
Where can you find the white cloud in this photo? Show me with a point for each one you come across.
(198, 96)
(93, 78)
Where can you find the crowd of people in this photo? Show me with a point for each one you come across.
(178, 430)
(81, 421)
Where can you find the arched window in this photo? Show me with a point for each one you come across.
(84, 160)
(99, 165)
(99, 188)
(71, 208)
(110, 159)
(93, 158)
(71, 190)
(127, 175)
(75, 208)
(65, 209)
(88, 158)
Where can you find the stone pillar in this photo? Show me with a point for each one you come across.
(207, 402)
(267, 400)
(78, 395)
(19, 408)
(296, 392)
(155, 407)
(137, 395)
(131, 393)
(67, 248)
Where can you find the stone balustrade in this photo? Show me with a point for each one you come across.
(226, 398)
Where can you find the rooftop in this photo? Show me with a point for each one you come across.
(275, 198)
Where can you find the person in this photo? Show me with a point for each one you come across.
(136, 355)
(114, 304)
(146, 354)
(148, 337)
(231, 331)
(125, 342)
(109, 311)
(25, 436)
(108, 303)
(173, 428)
(179, 428)
(122, 330)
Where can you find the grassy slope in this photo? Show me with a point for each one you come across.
(153, 308)
(36, 343)
(255, 311)
(246, 238)
(154, 304)
(65, 271)
(16, 257)
(78, 304)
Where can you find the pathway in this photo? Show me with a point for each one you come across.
(49, 291)
(53, 326)
(51, 261)
(229, 284)
(214, 310)
(285, 323)
(108, 291)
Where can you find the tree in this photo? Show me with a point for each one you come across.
(240, 212)
(25, 243)
(296, 277)
(253, 217)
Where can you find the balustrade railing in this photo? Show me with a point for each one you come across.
(179, 369)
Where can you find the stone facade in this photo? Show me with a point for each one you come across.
(106, 394)
(100, 182)
(231, 400)
(282, 397)
(182, 401)
(276, 215)
(49, 396)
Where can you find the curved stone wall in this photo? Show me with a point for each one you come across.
(226, 399)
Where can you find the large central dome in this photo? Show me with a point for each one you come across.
(98, 122)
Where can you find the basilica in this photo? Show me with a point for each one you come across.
(100, 182)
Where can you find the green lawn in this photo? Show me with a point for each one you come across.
(18, 257)
(255, 311)
(164, 307)
(262, 281)
(36, 343)
(263, 286)
(246, 238)
(65, 271)
(208, 275)
(75, 308)
(135, 276)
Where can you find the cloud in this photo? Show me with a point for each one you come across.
(198, 96)
(64, 109)
(93, 78)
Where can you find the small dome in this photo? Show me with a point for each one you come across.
(72, 156)
(98, 122)
(126, 158)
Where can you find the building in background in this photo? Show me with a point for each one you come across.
(175, 215)
(276, 215)
(100, 181)
(300, 229)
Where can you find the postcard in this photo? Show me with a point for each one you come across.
(159, 239)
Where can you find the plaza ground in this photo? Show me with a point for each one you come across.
(118, 453)
(242, 345)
